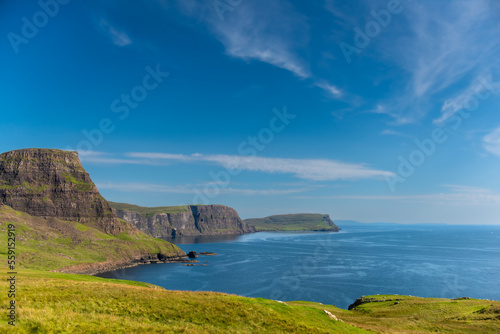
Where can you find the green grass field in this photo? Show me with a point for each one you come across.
(63, 303)
(404, 314)
(292, 222)
(147, 211)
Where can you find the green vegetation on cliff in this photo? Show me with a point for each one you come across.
(61, 220)
(149, 211)
(53, 184)
(53, 244)
(294, 222)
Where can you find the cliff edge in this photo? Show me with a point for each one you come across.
(50, 183)
(183, 220)
(61, 221)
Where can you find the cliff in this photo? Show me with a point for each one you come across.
(71, 247)
(62, 221)
(53, 184)
(294, 222)
(184, 220)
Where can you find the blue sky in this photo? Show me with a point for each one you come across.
(376, 111)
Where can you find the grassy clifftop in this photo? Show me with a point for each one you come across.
(294, 222)
(175, 221)
(148, 211)
(53, 244)
(54, 302)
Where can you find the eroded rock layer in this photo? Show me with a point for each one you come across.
(53, 183)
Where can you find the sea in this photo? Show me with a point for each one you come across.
(443, 261)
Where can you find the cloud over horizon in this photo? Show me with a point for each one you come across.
(309, 169)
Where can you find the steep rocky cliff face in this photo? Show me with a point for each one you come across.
(196, 220)
(60, 217)
(53, 184)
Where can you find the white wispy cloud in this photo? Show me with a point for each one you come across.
(272, 35)
(191, 189)
(273, 32)
(330, 89)
(491, 142)
(143, 187)
(466, 189)
(450, 42)
(97, 157)
(457, 195)
(483, 87)
(389, 132)
(118, 37)
(309, 169)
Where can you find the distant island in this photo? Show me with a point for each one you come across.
(294, 222)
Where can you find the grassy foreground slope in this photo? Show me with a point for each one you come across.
(64, 303)
(53, 244)
(407, 314)
(294, 222)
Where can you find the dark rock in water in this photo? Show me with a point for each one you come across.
(195, 220)
(192, 255)
(208, 253)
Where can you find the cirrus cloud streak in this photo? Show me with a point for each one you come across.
(309, 169)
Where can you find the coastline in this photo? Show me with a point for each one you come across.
(96, 268)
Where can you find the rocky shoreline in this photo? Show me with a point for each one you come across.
(102, 267)
(106, 266)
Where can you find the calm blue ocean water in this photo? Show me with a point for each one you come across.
(336, 268)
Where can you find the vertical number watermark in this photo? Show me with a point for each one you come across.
(11, 256)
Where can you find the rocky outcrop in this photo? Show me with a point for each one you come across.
(196, 220)
(364, 300)
(192, 255)
(53, 184)
(328, 221)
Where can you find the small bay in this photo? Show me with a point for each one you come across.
(445, 261)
